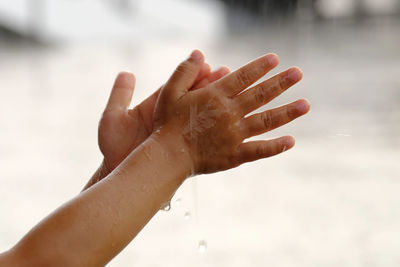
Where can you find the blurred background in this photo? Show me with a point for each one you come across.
(332, 201)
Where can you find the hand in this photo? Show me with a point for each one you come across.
(210, 123)
(122, 129)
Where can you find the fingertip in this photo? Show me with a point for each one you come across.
(206, 69)
(288, 142)
(300, 71)
(272, 59)
(303, 106)
(295, 74)
(121, 93)
(197, 56)
(224, 70)
(125, 78)
(218, 74)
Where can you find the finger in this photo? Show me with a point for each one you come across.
(264, 92)
(146, 107)
(255, 150)
(145, 110)
(122, 91)
(239, 80)
(149, 102)
(184, 76)
(214, 76)
(203, 73)
(218, 74)
(274, 118)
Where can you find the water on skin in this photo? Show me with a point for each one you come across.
(205, 140)
(192, 119)
(166, 206)
(147, 154)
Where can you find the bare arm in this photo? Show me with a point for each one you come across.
(194, 132)
(97, 224)
(121, 129)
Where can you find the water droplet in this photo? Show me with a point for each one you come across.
(339, 135)
(146, 154)
(187, 216)
(202, 247)
(166, 206)
(343, 134)
(178, 201)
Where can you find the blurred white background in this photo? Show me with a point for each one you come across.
(331, 201)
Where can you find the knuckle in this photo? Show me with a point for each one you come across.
(290, 113)
(243, 78)
(278, 148)
(184, 68)
(281, 84)
(266, 119)
(261, 151)
(259, 96)
(264, 93)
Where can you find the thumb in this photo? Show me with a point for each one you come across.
(185, 75)
(122, 91)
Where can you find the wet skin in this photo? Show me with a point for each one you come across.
(121, 129)
(212, 121)
(192, 131)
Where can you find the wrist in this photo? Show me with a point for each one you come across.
(174, 150)
(101, 172)
(103, 169)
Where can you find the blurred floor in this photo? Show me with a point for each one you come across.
(331, 201)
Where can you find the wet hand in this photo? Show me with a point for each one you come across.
(210, 124)
(122, 129)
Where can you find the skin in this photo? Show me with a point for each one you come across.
(121, 129)
(201, 129)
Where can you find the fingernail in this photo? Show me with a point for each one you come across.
(294, 75)
(303, 106)
(272, 59)
(196, 56)
(289, 142)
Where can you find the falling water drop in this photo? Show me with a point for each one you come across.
(187, 216)
(339, 135)
(166, 206)
(202, 247)
(343, 134)
(178, 201)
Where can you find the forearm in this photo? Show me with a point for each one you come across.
(96, 225)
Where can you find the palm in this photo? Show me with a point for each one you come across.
(121, 129)
(119, 134)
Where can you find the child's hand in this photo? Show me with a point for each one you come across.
(122, 129)
(210, 123)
